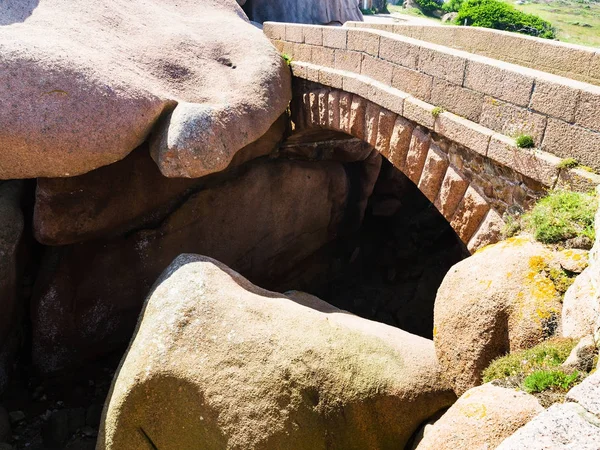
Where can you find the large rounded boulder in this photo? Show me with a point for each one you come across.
(481, 419)
(84, 83)
(318, 12)
(499, 300)
(217, 362)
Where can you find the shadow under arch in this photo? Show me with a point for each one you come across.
(16, 11)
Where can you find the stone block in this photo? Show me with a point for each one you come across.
(579, 180)
(512, 120)
(313, 34)
(469, 214)
(357, 117)
(363, 41)
(377, 69)
(371, 123)
(535, 164)
(489, 231)
(554, 99)
(301, 52)
(464, 132)
(323, 108)
(570, 141)
(323, 56)
(499, 80)
(348, 60)
(357, 84)
(299, 69)
(417, 153)
(345, 108)
(312, 73)
(388, 97)
(434, 170)
(399, 51)
(335, 37)
(279, 45)
(588, 109)
(274, 30)
(333, 108)
(294, 33)
(451, 192)
(385, 128)
(419, 111)
(412, 82)
(331, 78)
(442, 65)
(400, 142)
(457, 99)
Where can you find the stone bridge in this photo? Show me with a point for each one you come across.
(448, 118)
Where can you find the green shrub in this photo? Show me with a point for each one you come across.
(544, 356)
(452, 6)
(560, 216)
(502, 16)
(429, 6)
(524, 141)
(543, 380)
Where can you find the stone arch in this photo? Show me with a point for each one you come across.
(412, 149)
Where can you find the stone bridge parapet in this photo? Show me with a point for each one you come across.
(486, 100)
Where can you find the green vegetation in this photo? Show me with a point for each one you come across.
(524, 141)
(287, 58)
(429, 6)
(575, 21)
(452, 6)
(542, 380)
(503, 16)
(561, 215)
(435, 112)
(568, 163)
(543, 357)
(561, 279)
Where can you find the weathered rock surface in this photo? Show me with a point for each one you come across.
(115, 199)
(318, 12)
(582, 356)
(11, 231)
(587, 394)
(5, 431)
(580, 307)
(481, 419)
(499, 300)
(70, 103)
(218, 361)
(562, 426)
(265, 219)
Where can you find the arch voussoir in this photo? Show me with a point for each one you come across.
(411, 149)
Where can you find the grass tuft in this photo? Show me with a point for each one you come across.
(287, 58)
(568, 163)
(560, 216)
(547, 355)
(524, 141)
(543, 380)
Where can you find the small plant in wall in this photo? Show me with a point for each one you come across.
(435, 112)
(287, 58)
(525, 141)
(568, 163)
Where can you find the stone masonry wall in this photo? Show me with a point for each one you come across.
(560, 58)
(498, 99)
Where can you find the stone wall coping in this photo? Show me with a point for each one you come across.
(571, 60)
(535, 164)
(559, 112)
